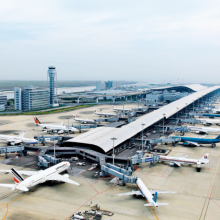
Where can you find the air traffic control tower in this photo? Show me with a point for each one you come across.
(52, 85)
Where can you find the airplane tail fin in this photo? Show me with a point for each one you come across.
(113, 106)
(74, 116)
(61, 124)
(22, 135)
(204, 158)
(17, 177)
(218, 137)
(37, 120)
(155, 197)
(95, 111)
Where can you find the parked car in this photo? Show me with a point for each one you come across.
(81, 163)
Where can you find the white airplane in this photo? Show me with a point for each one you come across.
(54, 128)
(203, 130)
(216, 110)
(37, 177)
(105, 114)
(150, 195)
(206, 121)
(184, 160)
(12, 140)
(84, 121)
(121, 109)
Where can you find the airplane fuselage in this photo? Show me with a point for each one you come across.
(203, 130)
(197, 140)
(8, 138)
(85, 121)
(179, 160)
(105, 114)
(56, 127)
(145, 191)
(43, 175)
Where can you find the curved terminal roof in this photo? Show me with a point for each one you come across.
(101, 137)
(191, 87)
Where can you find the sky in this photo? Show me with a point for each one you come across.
(148, 41)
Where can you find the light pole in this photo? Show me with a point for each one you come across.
(163, 122)
(177, 112)
(38, 135)
(113, 155)
(68, 127)
(143, 138)
(54, 145)
(185, 111)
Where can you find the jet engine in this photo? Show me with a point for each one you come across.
(198, 166)
(171, 164)
(60, 132)
(200, 132)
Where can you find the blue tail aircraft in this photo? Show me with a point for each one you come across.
(197, 141)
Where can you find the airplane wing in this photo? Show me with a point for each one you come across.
(203, 136)
(158, 204)
(15, 141)
(61, 178)
(22, 188)
(177, 163)
(8, 185)
(193, 143)
(27, 173)
(160, 192)
(131, 193)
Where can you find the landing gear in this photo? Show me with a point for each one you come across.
(213, 145)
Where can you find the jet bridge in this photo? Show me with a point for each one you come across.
(120, 173)
(14, 149)
(46, 161)
(139, 158)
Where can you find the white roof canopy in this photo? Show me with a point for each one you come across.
(101, 136)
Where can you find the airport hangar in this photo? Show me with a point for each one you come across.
(99, 139)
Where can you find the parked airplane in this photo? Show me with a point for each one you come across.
(207, 121)
(150, 195)
(121, 109)
(105, 114)
(211, 115)
(203, 130)
(183, 160)
(197, 141)
(85, 121)
(12, 140)
(54, 128)
(216, 111)
(37, 177)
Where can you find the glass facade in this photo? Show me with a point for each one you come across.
(34, 99)
(29, 99)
